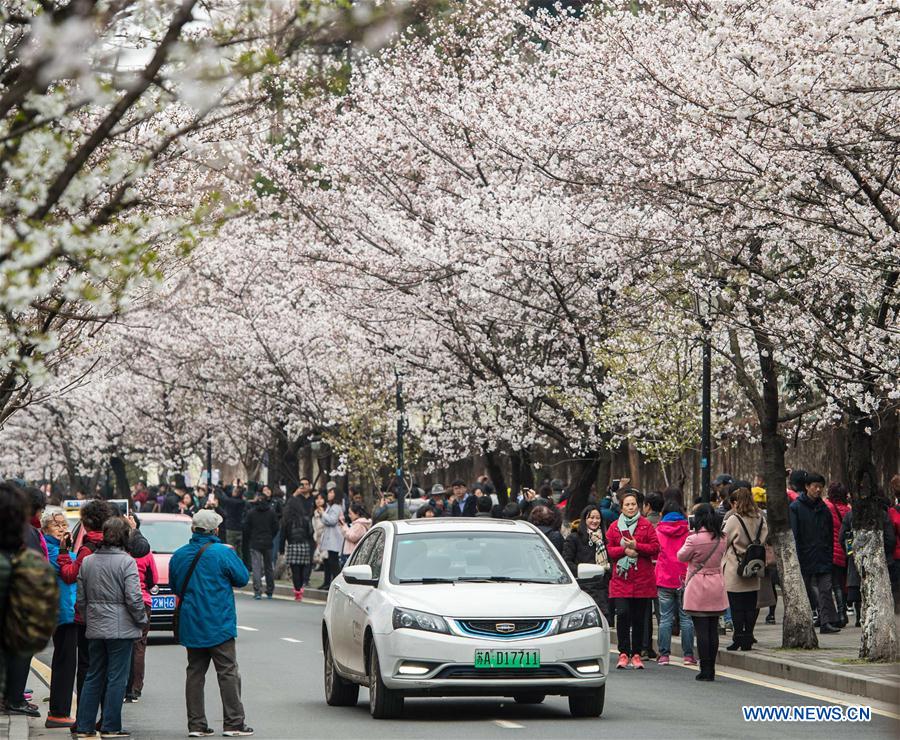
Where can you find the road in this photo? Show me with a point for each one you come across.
(280, 657)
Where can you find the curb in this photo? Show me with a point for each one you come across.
(13, 727)
(288, 591)
(831, 679)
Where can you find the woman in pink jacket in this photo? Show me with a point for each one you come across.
(631, 545)
(704, 590)
(359, 525)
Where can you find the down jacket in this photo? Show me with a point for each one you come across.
(109, 596)
(813, 532)
(640, 581)
(838, 512)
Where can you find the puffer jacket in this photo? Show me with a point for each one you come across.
(838, 512)
(671, 532)
(640, 581)
(554, 535)
(67, 588)
(109, 596)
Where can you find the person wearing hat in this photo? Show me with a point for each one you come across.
(203, 574)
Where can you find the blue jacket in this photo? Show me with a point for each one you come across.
(67, 591)
(208, 617)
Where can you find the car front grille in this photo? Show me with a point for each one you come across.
(504, 628)
(468, 672)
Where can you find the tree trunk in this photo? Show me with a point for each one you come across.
(496, 474)
(522, 474)
(634, 465)
(123, 490)
(580, 488)
(878, 641)
(798, 630)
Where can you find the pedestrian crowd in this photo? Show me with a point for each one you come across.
(700, 571)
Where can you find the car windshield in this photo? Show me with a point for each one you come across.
(166, 537)
(453, 557)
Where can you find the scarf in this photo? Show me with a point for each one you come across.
(596, 539)
(626, 562)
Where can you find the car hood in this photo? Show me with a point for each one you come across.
(489, 600)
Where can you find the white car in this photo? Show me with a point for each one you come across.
(462, 607)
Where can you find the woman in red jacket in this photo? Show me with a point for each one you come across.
(631, 546)
(837, 504)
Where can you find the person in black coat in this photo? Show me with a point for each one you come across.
(813, 529)
(297, 542)
(548, 521)
(587, 544)
(260, 529)
(854, 595)
(234, 511)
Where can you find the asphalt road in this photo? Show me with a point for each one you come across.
(280, 657)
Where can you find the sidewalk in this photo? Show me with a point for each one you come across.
(835, 666)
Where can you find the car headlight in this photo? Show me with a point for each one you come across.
(414, 620)
(580, 620)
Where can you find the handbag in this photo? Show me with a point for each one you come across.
(176, 617)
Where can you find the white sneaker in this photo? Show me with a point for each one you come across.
(239, 733)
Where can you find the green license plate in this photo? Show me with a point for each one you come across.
(507, 658)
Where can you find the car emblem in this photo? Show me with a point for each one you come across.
(505, 627)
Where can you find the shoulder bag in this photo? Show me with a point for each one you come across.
(184, 588)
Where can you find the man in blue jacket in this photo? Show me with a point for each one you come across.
(207, 622)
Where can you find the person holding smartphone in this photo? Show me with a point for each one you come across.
(65, 636)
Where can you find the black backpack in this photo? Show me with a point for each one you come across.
(753, 562)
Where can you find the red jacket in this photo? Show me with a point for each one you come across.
(838, 512)
(147, 575)
(90, 543)
(640, 581)
(894, 514)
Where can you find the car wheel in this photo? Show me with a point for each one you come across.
(529, 698)
(588, 704)
(339, 692)
(384, 703)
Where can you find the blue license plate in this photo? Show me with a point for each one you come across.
(162, 602)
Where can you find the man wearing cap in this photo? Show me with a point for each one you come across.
(207, 624)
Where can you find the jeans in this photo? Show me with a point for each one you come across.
(631, 615)
(670, 604)
(109, 669)
(262, 561)
(224, 658)
(818, 589)
(63, 667)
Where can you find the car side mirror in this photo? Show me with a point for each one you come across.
(590, 570)
(360, 574)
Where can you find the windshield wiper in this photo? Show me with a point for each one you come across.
(498, 579)
(427, 580)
